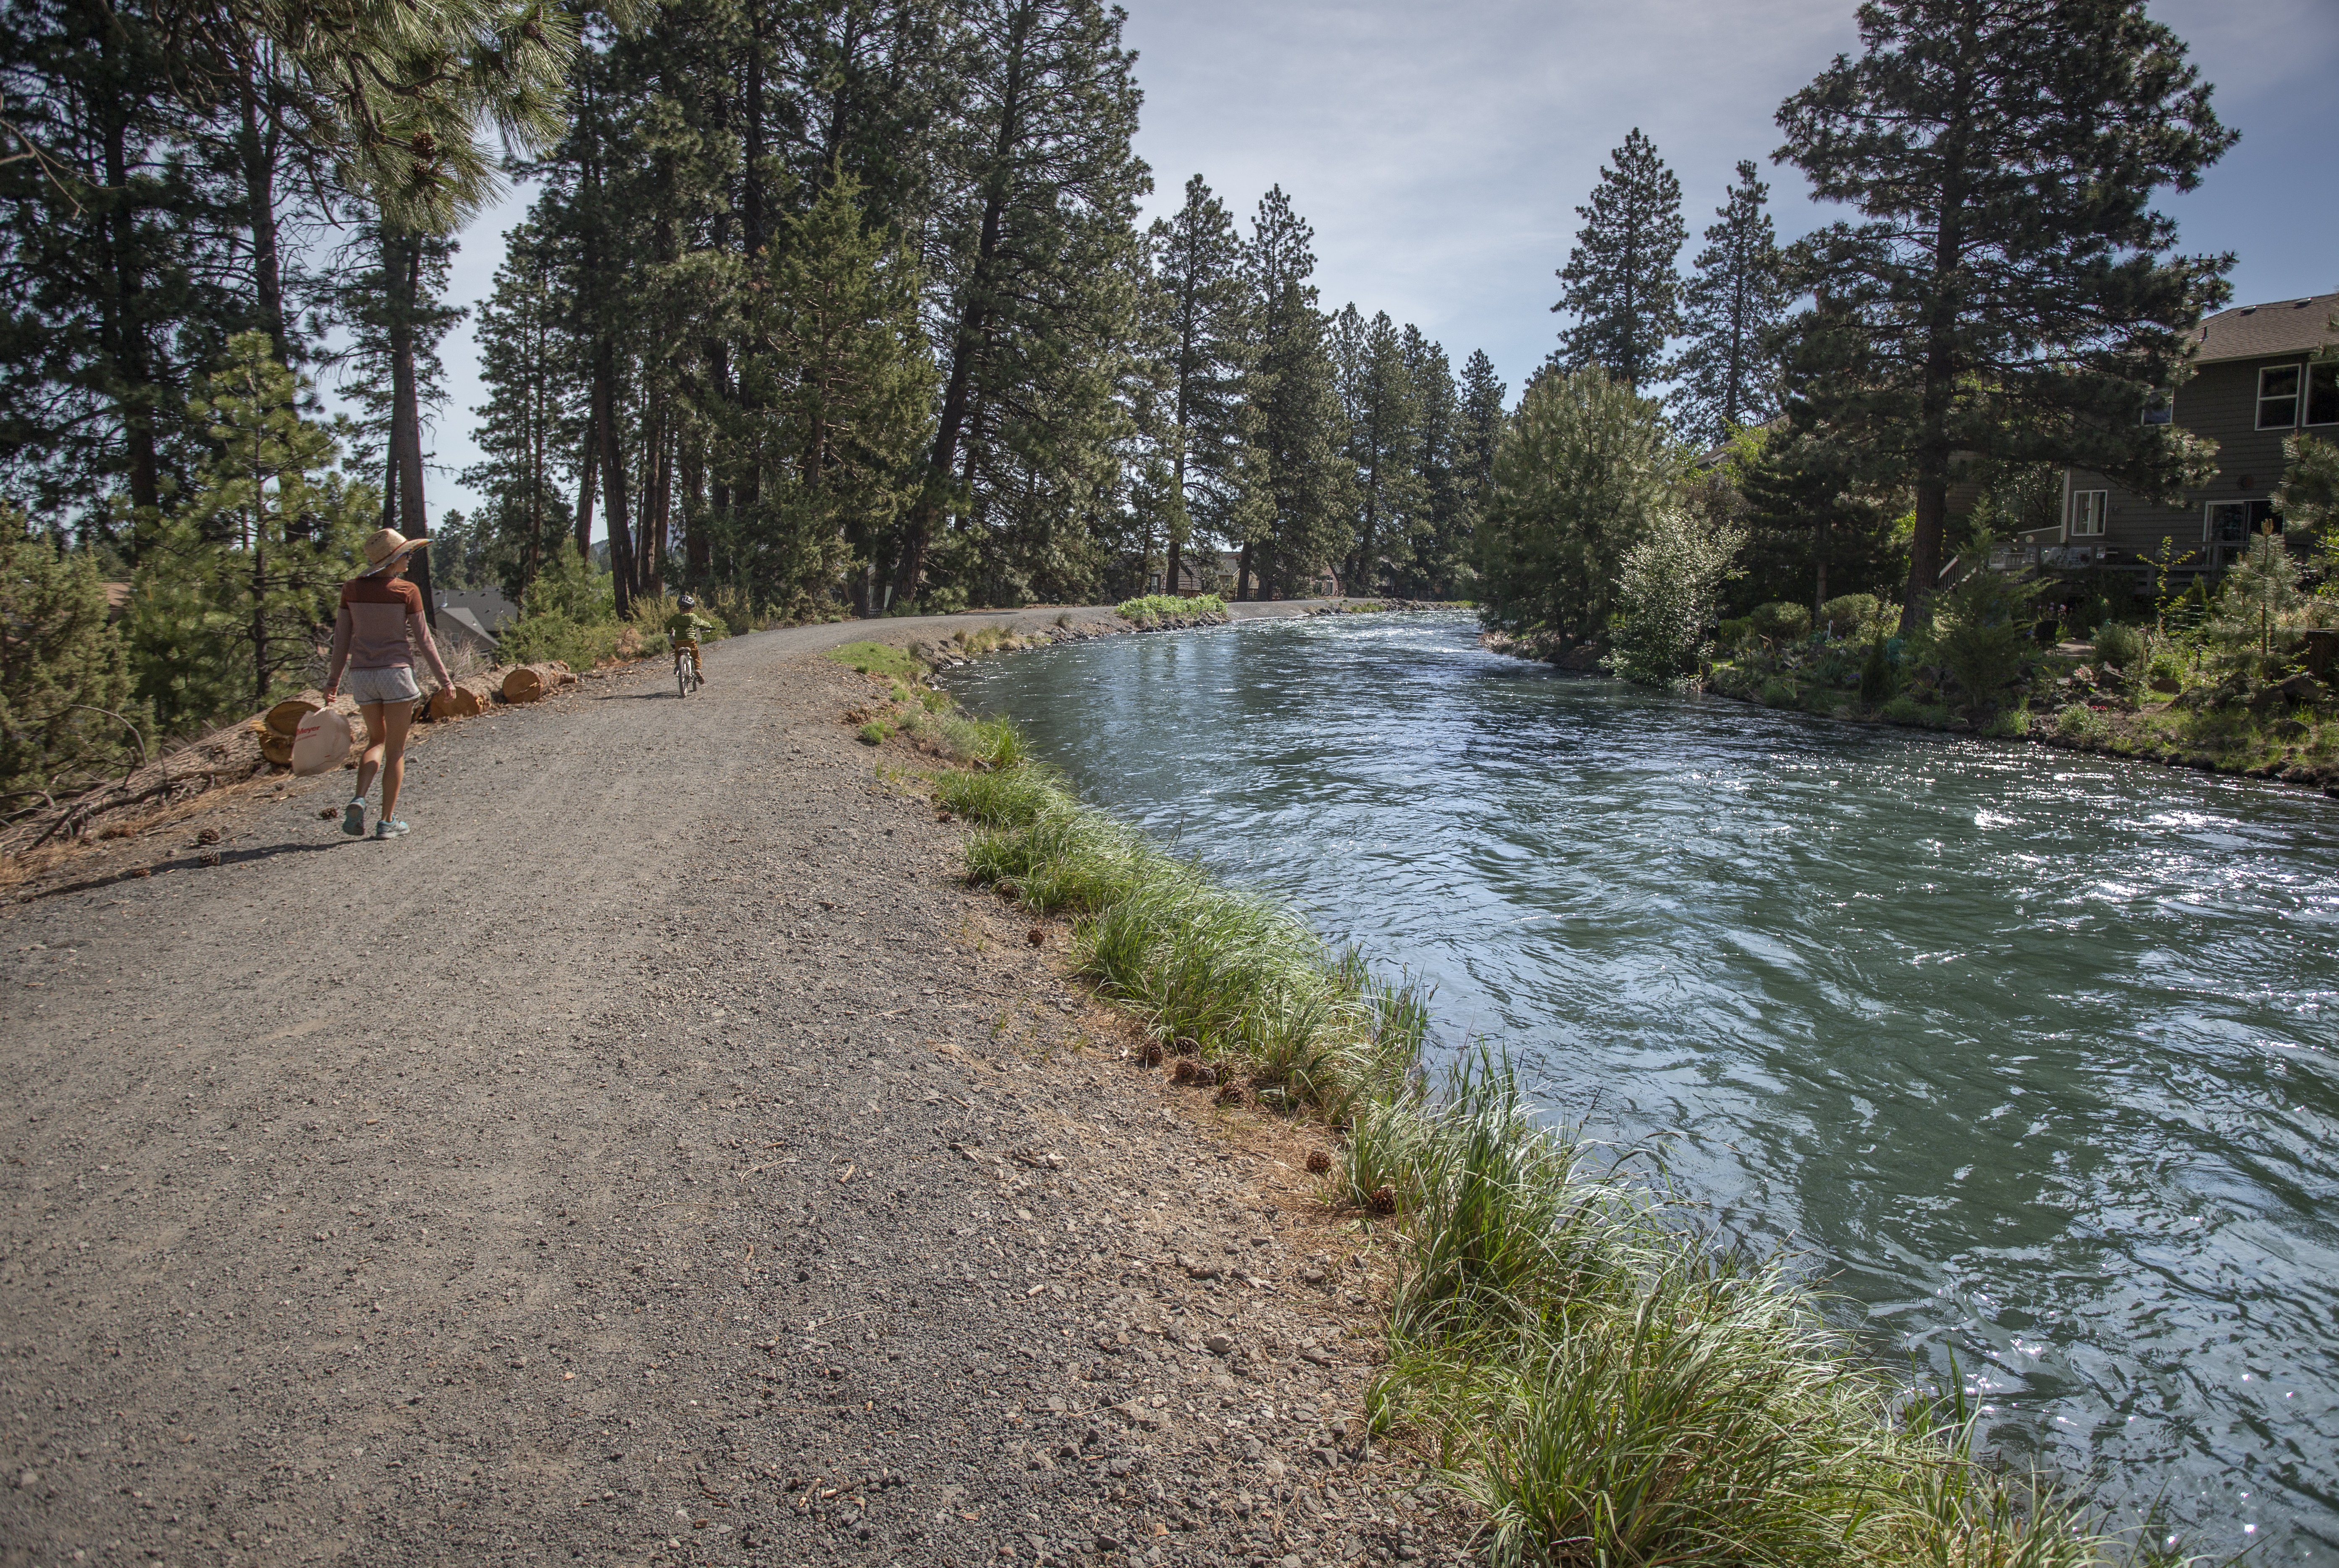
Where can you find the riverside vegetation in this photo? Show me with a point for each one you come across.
(2229, 681)
(1597, 1378)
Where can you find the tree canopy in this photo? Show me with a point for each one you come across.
(2008, 288)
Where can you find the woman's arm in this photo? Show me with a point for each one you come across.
(420, 630)
(344, 627)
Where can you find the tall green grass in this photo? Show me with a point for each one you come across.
(1611, 1388)
(1261, 997)
(1607, 1385)
(1168, 606)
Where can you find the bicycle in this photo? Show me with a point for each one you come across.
(686, 677)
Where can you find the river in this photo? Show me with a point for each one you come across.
(2031, 1054)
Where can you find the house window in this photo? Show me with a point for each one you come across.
(2237, 523)
(2278, 398)
(2322, 394)
(2159, 407)
(2227, 523)
(2087, 513)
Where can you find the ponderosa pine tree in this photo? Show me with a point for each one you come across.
(2009, 291)
(1731, 310)
(1580, 471)
(230, 605)
(1818, 528)
(1477, 425)
(1441, 543)
(1040, 298)
(1205, 329)
(1295, 392)
(849, 418)
(414, 106)
(391, 305)
(1621, 284)
(527, 431)
(2308, 496)
(112, 260)
(1384, 420)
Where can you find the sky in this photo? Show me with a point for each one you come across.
(1440, 150)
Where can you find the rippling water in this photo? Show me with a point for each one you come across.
(2033, 1053)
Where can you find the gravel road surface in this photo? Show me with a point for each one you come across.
(660, 1156)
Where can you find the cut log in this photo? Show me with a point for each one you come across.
(533, 682)
(278, 749)
(284, 718)
(466, 699)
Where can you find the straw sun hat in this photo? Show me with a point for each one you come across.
(388, 546)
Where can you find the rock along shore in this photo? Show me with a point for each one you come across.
(660, 1155)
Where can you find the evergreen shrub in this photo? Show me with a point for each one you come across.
(1905, 709)
(1855, 618)
(67, 714)
(1876, 674)
(1164, 606)
(2121, 647)
(1780, 621)
(2081, 725)
(1982, 635)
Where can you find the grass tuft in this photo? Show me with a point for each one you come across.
(878, 659)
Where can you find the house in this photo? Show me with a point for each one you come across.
(473, 618)
(2256, 380)
(490, 608)
(460, 628)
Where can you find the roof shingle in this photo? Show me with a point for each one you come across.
(2285, 327)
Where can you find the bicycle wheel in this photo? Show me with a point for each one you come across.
(682, 677)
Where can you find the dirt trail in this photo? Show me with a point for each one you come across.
(658, 1155)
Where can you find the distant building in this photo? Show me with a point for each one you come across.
(2257, 380)
(491, 610)
(460, 628)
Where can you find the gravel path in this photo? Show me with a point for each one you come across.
(659, 1157)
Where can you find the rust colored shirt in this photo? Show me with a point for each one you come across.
(379, 625)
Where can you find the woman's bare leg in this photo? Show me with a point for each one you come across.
(377, 736)
(395, 718)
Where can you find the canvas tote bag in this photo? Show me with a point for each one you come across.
(322, 743)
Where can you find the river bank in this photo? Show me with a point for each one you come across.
(2285, 732)
(1597, 1376)
(1917, 1009)
(719, 1177)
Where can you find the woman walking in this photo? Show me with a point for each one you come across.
(380, 623)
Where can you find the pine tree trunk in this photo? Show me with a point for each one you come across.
(693, 461)
(613, 474)
(259, 618)
(124, 328)
(1938, 385)
(752, 141)
(402, 268)
(258, 162)
(1819, 589)
(1242, 573)
(589, 466)
(966, 343)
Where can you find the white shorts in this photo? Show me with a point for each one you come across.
(394, 685)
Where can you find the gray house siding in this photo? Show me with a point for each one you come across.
(2221, 401)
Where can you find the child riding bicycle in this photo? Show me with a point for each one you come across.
(682, 629)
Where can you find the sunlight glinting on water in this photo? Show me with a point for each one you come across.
(2031, 1054)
